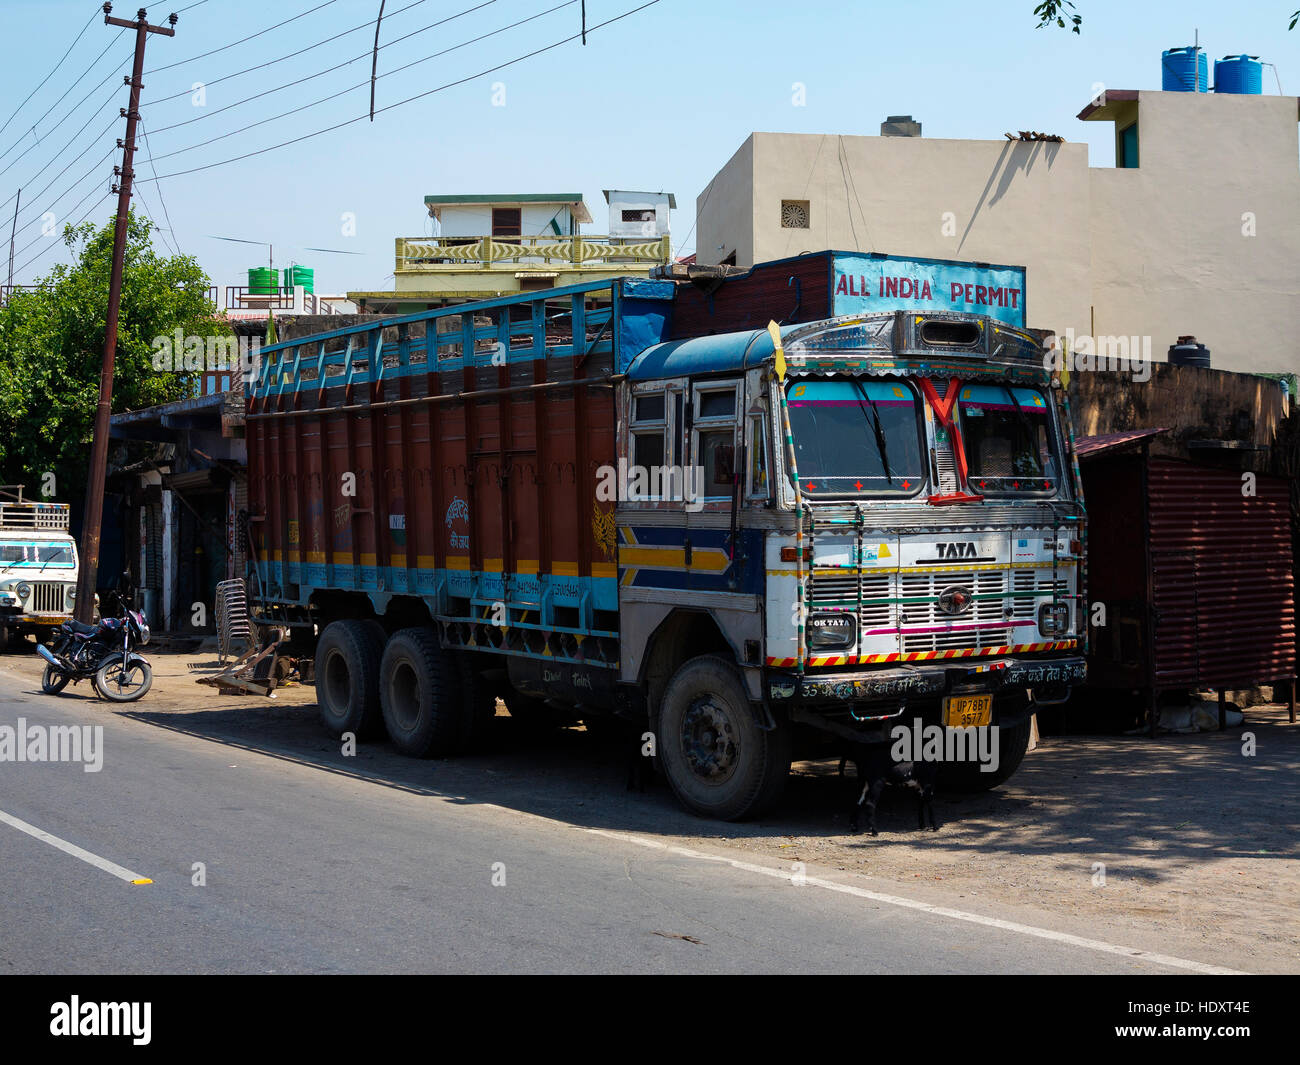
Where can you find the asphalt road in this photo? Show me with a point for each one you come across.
(309, 870)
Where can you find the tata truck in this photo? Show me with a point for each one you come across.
(753, 544)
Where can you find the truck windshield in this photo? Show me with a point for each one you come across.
(852, 436)
(19, 553)
(1007, 433)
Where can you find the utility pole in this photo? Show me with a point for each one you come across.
(13, 230)
(90, 531)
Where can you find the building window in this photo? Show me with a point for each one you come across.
(507, 221)
(794, 214)
(1128, 147)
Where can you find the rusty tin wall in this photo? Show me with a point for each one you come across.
(1223, 584)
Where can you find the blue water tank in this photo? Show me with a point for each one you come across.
(1240, 74)
(1184, 69)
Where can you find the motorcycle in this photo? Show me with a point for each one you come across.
(104, 652)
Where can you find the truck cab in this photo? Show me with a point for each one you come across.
(888, 529)
(38, 566)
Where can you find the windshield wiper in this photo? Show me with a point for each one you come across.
(875, 425)
(61, 551)
(1024, 421)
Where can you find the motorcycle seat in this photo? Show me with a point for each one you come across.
(78, 628)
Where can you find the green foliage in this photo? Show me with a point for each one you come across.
(1050, 11)
(52, 345)
(1053, 11)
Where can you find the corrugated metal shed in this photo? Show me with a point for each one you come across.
(1194, 565)
(1223, 582)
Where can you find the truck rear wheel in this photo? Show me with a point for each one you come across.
(717, 759)
(421, 695)
(479, 706)
(347, 677)
(966, 777)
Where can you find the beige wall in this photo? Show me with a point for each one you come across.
(726, 207)
(1155, 251)
(1168, 253)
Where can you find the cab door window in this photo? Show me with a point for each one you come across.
(714, 431)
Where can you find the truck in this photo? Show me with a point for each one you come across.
(753, 544)
(38, 566)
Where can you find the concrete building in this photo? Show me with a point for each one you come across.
(499, 245)
(1196, 231)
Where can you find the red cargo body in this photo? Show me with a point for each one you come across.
(470, 483)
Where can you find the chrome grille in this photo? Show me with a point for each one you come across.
(994, 604)
(47, 599)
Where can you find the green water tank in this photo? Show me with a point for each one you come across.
(301, 275)
(263, 281)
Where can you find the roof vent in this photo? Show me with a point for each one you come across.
(900, 126)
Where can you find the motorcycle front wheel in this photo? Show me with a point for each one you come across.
(123, 681)
(53, 680)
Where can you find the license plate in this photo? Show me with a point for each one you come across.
(967, 711)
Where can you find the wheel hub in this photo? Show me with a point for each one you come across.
(709, 740)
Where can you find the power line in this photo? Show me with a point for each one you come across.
(242, 40)
(69, 90)
(362, 84)
(144, 133)
(51, 73)
(91, 210)
(301, 51)
(337, 66)
(409, 99)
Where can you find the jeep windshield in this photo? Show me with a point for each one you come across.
(23, 553)
(1007, 435)
(853, 437)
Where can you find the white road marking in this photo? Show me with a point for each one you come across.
(925, 907)
(763, 870)
(77, 852)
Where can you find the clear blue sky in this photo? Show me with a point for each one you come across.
(657, 101)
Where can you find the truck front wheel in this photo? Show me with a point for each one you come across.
(347, 677)
(717, 759)
(422, 695)
(967, 777)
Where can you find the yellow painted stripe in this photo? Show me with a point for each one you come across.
(604, 569)
(564, 569)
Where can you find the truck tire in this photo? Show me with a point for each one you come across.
(421, 695)
(347, 677)
(480, 705)
(965, 777)
(717, 759)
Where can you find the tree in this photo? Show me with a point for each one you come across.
(52, 344)
(1053, 11)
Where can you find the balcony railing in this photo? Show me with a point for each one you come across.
(442, 254)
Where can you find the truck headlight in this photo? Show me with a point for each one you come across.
(1054, 619)
(23, 590)
(832, 630)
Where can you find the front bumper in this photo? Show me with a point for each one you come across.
(882, 694)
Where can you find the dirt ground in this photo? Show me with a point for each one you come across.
(1184, 842)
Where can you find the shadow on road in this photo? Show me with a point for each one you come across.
(1177, 799)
